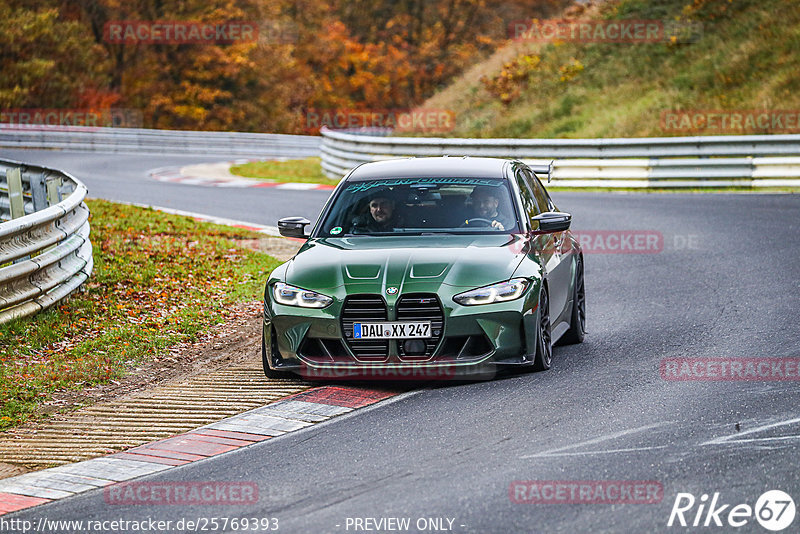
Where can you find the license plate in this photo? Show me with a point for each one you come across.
(402, 330)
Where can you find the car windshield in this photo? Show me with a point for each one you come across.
(419, 206)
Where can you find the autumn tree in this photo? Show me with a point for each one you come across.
(339, 54)
(45, 61)
(440, 37)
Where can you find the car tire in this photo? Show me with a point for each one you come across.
(577, 322)
(269, 372)
(544, 342)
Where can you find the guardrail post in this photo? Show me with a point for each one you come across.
(15, 200)
(38, 191)
(53, 190)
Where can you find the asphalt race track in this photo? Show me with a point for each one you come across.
(725, 284)
(125, 177)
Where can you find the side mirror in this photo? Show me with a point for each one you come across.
(553, 221)
(293, 227)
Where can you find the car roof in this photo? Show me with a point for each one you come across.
(450, 167)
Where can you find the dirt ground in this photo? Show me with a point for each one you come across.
(277, 247)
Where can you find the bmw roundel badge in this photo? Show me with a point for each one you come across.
(391, 290)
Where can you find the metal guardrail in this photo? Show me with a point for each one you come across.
(138, 140)
(712, 161)
(45, 251)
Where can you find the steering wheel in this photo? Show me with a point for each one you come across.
(486, 222)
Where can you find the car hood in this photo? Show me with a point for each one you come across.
(410, 263)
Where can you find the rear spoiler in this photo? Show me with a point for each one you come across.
(543, 170)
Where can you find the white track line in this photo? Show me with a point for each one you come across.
(734, 438)
(607, 437)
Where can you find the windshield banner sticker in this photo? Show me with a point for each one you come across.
(366, 186)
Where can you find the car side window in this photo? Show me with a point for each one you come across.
(538, 191)
(528, 200)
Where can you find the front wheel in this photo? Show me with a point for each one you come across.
(269, 372)
(544, 341)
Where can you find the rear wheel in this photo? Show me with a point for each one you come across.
(577, 322)
(544, 342)
(265, 354)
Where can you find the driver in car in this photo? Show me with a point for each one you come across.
(485, 205)
(382, 215)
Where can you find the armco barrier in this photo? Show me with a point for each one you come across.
(711, 161)
(45, 252)
(139, 140)
(702, 161)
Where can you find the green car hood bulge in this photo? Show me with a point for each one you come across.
(370, 264)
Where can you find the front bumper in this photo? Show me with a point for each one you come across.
(475, 342)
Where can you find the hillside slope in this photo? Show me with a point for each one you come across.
(745, 57)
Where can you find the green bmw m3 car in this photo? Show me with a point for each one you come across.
(426, 268)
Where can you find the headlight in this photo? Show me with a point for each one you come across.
(294, 296)
(500, 292)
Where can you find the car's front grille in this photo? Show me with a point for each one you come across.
(421, 307)
(364, 308)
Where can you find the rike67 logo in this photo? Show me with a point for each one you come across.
(774, 510)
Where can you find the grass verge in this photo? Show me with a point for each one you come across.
(306, 170)
(158, 280)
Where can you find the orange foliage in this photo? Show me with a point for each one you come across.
(310, 54)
